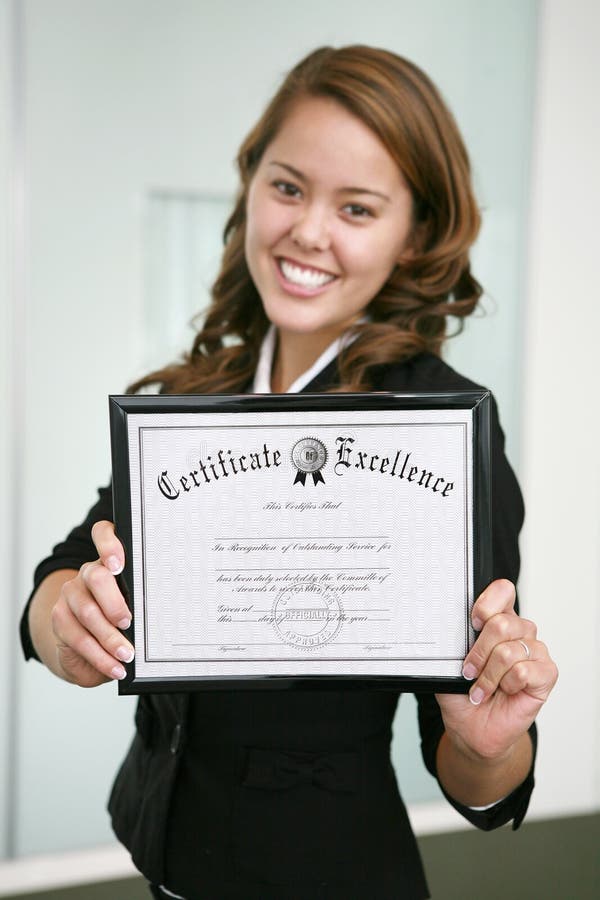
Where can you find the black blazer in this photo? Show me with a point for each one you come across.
(289, 796)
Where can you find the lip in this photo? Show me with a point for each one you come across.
(297, 290)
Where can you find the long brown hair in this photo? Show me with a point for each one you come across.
(401, 105)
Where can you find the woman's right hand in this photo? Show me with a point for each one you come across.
(89, 615)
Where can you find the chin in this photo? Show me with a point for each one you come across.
(302, 321)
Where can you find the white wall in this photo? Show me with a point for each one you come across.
(561, 426)
(6, 412)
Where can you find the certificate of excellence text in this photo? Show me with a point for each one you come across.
(298, 544)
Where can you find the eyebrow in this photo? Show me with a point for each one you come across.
(344, 190)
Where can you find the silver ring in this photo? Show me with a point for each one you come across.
(525, 648)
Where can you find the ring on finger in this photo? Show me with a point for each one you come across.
(525, 648)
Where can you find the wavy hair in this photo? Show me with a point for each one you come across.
(404, 109)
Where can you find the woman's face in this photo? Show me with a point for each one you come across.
(328, 217)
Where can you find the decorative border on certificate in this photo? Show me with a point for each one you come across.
(288, 540)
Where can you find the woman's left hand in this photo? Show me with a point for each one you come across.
(512, 674)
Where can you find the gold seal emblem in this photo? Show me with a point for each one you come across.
(309, 456)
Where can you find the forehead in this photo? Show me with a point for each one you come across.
(322, 139)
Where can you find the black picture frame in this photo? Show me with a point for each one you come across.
(477, 402)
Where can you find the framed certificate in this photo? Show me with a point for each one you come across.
(288, 541)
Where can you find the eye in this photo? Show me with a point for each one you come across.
(286, 188)
(358, 212)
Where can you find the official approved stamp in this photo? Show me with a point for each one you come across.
(307, 615)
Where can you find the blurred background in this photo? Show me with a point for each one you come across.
(119, 124)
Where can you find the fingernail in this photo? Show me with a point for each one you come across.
(118, 672)
(124, 654)
(469, 671)
(113, 565)
(476, 696)
(477, 623)
(124, 624)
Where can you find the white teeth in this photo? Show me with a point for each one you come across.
(304, 277)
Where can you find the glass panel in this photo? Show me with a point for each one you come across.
(182, 252)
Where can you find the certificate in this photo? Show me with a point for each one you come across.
(291, 540)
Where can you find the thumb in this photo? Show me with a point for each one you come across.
(109, 547)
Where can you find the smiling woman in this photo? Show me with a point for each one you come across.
(346, 251)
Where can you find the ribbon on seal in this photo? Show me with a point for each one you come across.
(301, 477)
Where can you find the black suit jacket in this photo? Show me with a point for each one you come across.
(289, 796)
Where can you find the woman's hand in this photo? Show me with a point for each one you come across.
(512, 675)
(88, 614)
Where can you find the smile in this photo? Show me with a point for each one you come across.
(308, 278)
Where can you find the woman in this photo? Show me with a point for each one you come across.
(347, 249)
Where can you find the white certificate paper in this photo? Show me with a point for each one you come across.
(288, 543)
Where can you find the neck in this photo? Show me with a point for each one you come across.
(295, 353)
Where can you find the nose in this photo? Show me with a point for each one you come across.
(311, 229)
